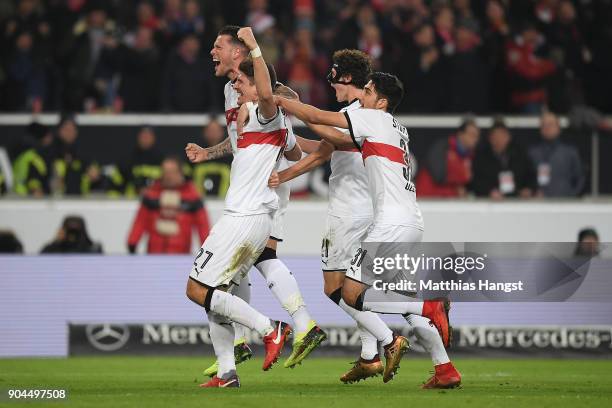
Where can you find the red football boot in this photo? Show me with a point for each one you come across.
(274, 343)
(216, 382)
(437, 312)
(446, 376)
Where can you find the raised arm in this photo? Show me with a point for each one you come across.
(267, 107)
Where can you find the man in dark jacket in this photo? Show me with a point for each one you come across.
(187, 79)
(502, 168)
(559, 168)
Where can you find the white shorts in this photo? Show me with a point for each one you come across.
(278, 231)
(343, 236)
(382, 233)
(231, 249)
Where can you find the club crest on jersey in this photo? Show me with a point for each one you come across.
(231, 115)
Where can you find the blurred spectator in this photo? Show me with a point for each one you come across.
(31, 166)
(187, 79)
(467, 70)
(588, 243)
(146, 16)
(191, 21)
(567, 39)
(528, 71)
(82, 53)
(9, 244)
(264, 27)
(303, 70)
(143, 167)
(212, 177)
(447, 168)
(26, 86)
(444, 23)
(558, 165)
(502, 167)
(138, 66)
(71, 173)
(496, 35)
(425, 74)
(170, 209)
(72, 237)
(370, 42)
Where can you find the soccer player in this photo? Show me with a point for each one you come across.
(263, 131)
(228, 53)
(350, 208)
(383, 143)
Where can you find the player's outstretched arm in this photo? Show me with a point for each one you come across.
(197, 154)
(310, 114)
(267, 107)
(312, 161)
(308, 146)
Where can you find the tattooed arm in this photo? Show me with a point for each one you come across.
(197, 154)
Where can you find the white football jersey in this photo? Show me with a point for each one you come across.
(348, 182)
(259, 149)
(384, 147)
(231, 112)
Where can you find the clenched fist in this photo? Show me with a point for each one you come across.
(245, 34)
(195, 153)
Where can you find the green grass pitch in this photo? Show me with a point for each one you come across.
(172, 382)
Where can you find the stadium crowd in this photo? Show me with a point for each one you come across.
(480, 56)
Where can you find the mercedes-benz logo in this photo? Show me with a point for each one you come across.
(107, 337)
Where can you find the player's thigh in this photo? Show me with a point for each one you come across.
(230, 250)
(278, 220)
(342, 238)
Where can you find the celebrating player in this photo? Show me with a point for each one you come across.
(350, 207)
(383, 143)
(228, 53)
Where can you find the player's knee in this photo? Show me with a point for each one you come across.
(351, 298)
(267, 254)
(199, 293)
(334, 293)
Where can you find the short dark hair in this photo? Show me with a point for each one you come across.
(587, 232)
(246, 66)
(389, 87)
(499, 123)
(232, 32)
(468, 120)
(356, 63)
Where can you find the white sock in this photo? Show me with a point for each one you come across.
(283, 285)
(371, 322)
(243, 291)
(429, 338)
(237, 310)
(390, 302)
(222, 337)
(369, 344)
